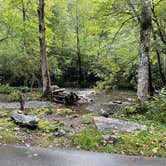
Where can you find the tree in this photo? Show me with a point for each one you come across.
(42, 40)
(143, 70)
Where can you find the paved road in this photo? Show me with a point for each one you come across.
(22, 156)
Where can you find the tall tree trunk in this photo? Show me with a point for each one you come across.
(143, 70)
(80, 79)
(24, 24)
(158, 59)
(44, 62)
(151, 88)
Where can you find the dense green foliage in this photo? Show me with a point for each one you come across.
(157, 107)
(108, 34)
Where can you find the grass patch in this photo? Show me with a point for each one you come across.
(64, 111)
(41, 111)
(7, 132)
(87, 119)
(88, 139)
(146, 143)
(46, 126)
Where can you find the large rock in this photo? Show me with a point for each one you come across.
(107, 109)
(116, 124)
(25, 120)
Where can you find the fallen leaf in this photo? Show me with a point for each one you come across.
(141, 152)
(155, 150)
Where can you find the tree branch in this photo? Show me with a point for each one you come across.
(116, 34)
(155, 19)
(1, 40)
(157, 3)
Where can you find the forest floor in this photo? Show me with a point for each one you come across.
(72, 128)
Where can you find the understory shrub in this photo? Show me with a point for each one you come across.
(157, 107)
(6, 89)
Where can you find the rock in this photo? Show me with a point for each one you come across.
(131, 99)
(54, 87)
(112, 139)
(118, 102)
(60, 133)
(105, 109)
(85, 96)
(116, 124)
(87, 119)
(104, 113)
(25, 120)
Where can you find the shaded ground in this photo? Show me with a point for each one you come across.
(21, 156)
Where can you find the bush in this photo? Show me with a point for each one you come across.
(14, 96)
(157, 107)
(6, 89)
(24, 89)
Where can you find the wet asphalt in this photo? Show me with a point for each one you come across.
(24, 156)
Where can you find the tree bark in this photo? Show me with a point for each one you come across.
(42, 40)
(143, 70)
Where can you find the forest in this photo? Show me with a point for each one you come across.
(74, 64)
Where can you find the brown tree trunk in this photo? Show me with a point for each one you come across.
(44, 62)
(143, 70)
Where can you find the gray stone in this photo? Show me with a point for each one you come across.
(112, 139)
(104, 113)
(105, 108)
(118, 102)
(116, 124)
(25, 120)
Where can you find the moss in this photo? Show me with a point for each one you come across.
(64, 111)
(7, 132)
(87, 119)
(46, 126)
(41, 111)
